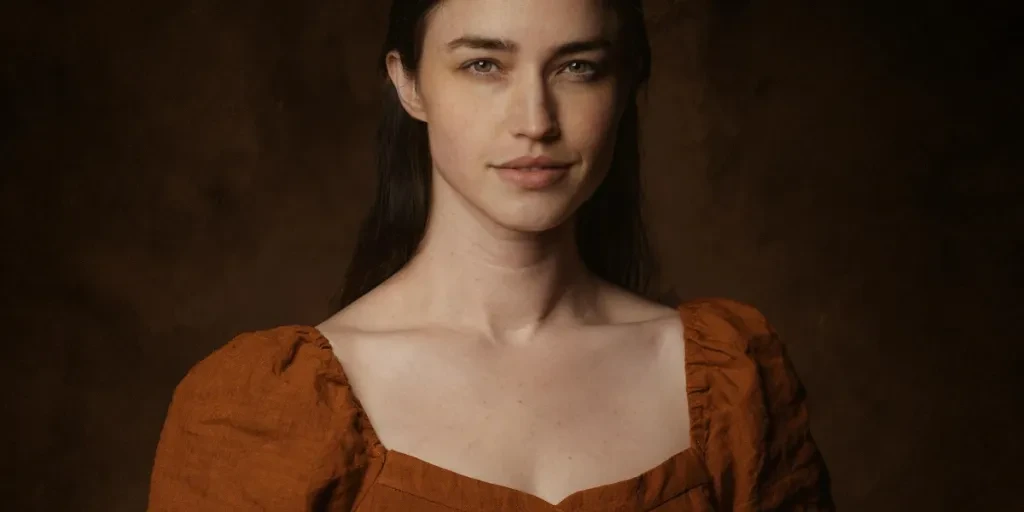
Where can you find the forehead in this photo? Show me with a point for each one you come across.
(528, 23)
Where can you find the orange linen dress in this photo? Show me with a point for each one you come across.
(269, 423)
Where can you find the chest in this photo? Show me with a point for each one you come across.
(549, 422)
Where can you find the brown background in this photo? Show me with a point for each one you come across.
(174, 173)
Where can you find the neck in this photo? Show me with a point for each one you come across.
(508, 284)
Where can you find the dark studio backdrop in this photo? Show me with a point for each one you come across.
(174, 173)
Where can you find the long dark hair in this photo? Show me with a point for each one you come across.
(610, 231)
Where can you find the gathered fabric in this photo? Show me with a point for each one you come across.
(269, 422)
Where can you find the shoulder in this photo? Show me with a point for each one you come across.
(252, 362)
(725, 364)
(724, 311)
(752, 424)
(729, 325)
(258, 424)
(284, 382)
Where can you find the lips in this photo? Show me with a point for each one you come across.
(534, 162)
(534, 172)
(533, 178)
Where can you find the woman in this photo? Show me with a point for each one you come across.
(496, 325)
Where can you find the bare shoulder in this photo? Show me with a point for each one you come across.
(623, 306)
(373, 331)
(633, 316)
(364, 314)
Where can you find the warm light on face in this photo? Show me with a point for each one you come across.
(503, 79)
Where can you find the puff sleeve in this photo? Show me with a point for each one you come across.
(267, 422)
(755, 434)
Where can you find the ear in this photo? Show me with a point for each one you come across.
(406, 86)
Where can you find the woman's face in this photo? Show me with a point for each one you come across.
(501, 80)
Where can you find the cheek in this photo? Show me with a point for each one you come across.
(588, 120)
(459, 128)
(589, 126)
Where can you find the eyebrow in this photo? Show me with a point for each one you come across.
(504, 45)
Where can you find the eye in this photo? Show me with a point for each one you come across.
(481, 66)
(584, 70)
(581, 67)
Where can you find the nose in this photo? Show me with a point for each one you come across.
(532, 110)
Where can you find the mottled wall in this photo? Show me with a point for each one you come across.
(176, 172)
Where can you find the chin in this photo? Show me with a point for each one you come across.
(531, 218)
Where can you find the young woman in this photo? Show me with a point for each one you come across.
(497, 348)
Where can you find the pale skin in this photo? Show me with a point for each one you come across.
(494, 353)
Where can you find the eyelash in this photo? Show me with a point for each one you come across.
(595, 69)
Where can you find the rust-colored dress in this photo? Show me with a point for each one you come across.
(269, 423)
